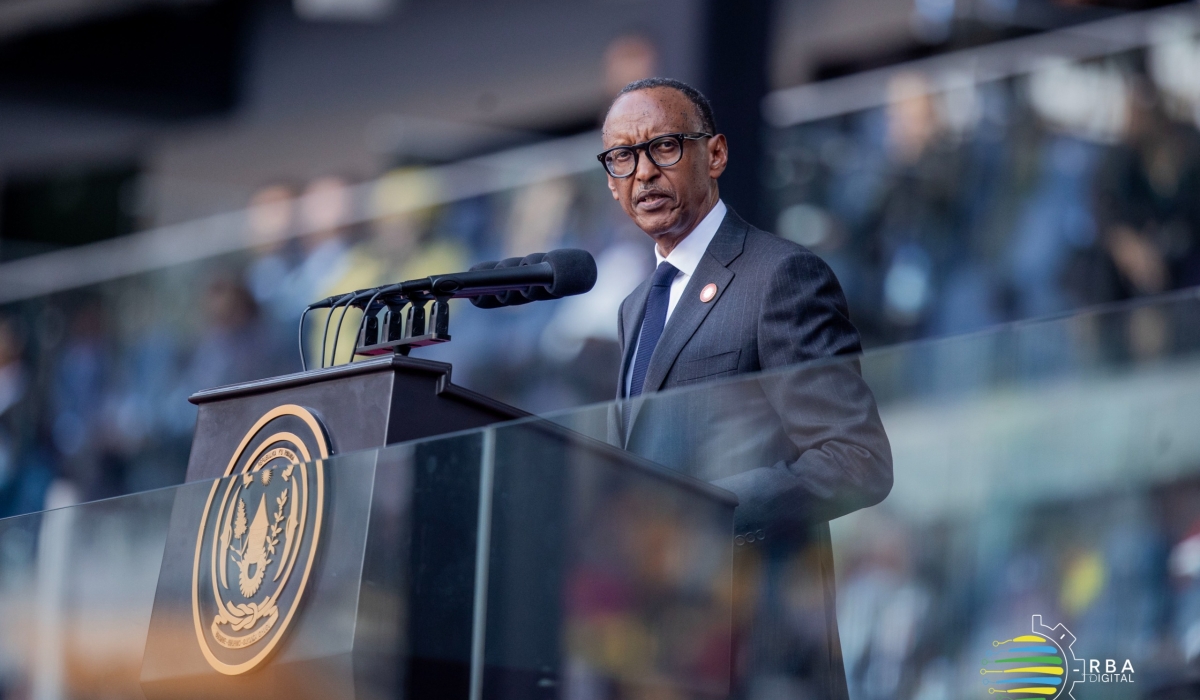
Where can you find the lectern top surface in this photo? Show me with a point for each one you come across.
(438, 371)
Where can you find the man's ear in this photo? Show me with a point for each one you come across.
(612, 187)
(718, 155)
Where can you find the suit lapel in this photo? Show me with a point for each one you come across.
(690, 312)
(631, 324)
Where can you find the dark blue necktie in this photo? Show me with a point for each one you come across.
(652, 328)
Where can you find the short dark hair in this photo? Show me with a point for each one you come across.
(700, 102)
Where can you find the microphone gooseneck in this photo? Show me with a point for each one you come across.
(300, 340)
(347, 298)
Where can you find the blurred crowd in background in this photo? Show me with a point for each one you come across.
(95, 381)
(946, 203)
(955, 207)
(943, 210)
(949, 207)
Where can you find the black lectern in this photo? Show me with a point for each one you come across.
(361, 405)
(505, 560)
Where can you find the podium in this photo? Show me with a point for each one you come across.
(361, 405)
(374, 531)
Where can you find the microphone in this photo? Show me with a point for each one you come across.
(571, 272)
(509, 282)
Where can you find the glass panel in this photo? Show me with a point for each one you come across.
(1043, 469)
(76, 594)
(267, 604)
(1045, 474)
(609, 576)
(592, 570)
(97, 598)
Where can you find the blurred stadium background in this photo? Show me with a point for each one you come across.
(178, 178)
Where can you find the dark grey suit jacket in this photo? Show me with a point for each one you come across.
(798, 445)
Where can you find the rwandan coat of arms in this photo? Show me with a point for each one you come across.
(258, 539)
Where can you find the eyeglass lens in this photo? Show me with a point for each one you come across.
(663, 151)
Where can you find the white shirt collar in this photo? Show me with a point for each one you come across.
(687, 253)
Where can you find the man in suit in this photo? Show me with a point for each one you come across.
(798, 445)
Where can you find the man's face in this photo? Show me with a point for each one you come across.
(666, 203)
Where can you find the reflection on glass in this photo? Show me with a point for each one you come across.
(1046, 474)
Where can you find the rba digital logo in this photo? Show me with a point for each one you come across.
(1041, 665)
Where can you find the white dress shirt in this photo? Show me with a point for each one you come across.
(686, 258)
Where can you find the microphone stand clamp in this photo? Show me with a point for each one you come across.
(390, 329)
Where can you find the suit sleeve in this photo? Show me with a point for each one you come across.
(827, 411)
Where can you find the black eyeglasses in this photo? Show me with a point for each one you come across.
(664, 151)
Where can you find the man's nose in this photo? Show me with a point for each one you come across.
(646, 169)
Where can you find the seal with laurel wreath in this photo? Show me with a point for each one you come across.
(258, 539)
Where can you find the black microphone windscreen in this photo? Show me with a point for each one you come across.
(574, 271)
(486, 301)
(536, 292)
(512, 297)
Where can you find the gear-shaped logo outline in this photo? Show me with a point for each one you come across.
(1045, 668)
(1056, 635)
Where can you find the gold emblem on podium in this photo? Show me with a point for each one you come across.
(258, 539)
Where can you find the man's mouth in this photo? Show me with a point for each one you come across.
(651, 201)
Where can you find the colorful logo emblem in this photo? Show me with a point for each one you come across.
(258, 538)
(1035, 665)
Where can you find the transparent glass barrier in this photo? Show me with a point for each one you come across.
(76, 595)
(1012, 512)
(525, 561)
(97, 598)
(1044, 473)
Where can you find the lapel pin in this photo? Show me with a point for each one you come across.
(709, 291)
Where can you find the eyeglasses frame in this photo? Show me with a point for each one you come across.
(645, 146)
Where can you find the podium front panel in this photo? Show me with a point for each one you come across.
(255, 600)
